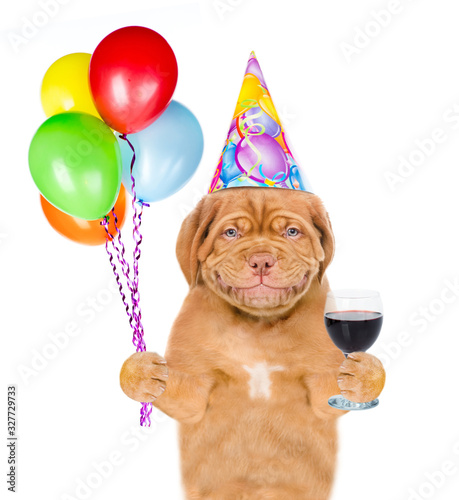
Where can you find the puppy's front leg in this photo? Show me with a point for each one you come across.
(145, 377)
(320, 387)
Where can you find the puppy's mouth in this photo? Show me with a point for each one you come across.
(262, 292)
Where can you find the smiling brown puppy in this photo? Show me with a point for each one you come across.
(250, 366)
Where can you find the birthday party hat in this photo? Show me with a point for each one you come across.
(256, 153)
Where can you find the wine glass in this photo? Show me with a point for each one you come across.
(353, 319)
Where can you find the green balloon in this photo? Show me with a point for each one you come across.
(75, 161)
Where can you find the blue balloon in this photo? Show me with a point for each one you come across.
(168, 153)
(230, 170)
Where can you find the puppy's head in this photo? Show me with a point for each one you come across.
(259, 249)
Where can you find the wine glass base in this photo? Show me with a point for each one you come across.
(341, 403)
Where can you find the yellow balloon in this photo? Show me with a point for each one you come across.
(65, 86)
(251, 91)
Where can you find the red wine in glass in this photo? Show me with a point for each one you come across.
(353, 331)
(353, 319)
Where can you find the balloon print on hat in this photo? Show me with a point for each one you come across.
(262, 159)
(230, 170)
(257, 139)
(259, 121)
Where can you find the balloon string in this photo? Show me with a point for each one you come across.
(121, 260)
(120, 250)
(138, 337)
(252, 117)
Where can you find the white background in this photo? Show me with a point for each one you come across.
(349, 120)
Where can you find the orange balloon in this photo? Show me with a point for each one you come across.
(87, 232)
(267, 105)
(281, 141)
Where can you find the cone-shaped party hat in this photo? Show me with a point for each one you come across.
(256, 152)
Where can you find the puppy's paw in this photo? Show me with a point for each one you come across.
(362, 377)
(143, 376)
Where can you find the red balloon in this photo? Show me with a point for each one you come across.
(132, 75)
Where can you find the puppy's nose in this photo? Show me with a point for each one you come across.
(261, 262)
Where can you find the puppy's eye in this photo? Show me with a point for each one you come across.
(292, 231)
(231, 233)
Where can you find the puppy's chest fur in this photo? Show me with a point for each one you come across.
(261, 369)
(260, 379)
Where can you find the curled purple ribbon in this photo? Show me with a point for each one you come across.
(133, 311)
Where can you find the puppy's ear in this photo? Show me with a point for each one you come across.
(193, 234)
(322, 223)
